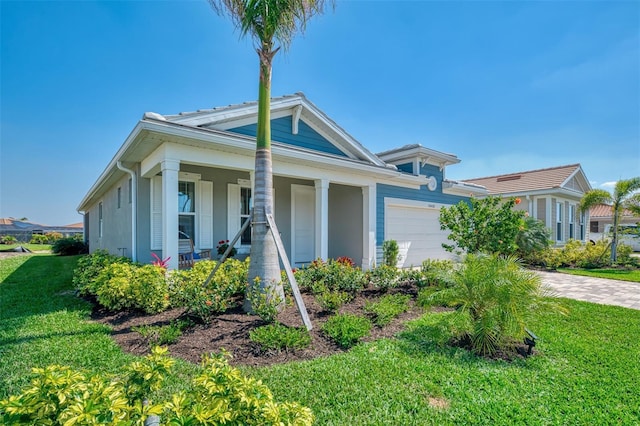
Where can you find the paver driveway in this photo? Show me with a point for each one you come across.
(596, 290)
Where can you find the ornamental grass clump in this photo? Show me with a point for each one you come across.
(496, 298)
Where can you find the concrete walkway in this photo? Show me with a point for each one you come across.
(596, 290)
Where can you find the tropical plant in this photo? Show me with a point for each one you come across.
(390, 252)
(69, 246)
(533, 236)
(280, 337)
(8, 239)
(347, 329)
(267, 22)
(488, 225)
(387, 308)
(625, 196)
(496, 298)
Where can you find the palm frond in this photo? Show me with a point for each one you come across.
(593, 198)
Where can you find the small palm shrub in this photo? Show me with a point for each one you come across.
(384, 277)
(497, 297)
(387, 308)
(534, 236)
(69, 246)
(390, 252)
(8, 239)
(333, 275)
(39, 239)
(280, 337)
(347, 329)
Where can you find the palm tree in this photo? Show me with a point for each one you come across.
(267, 22)
(624, 196)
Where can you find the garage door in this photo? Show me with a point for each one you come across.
(417, 231)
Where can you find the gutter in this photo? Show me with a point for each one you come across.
(134, 209)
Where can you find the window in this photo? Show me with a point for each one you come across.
(119, 196)
(572, 215)
(593, 226)
(130, 190)
(100, 220)
(187, 208)
(582, 218)
(246, 204)
(559, 222)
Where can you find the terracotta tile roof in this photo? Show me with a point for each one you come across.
(604, 210)
(532, 180)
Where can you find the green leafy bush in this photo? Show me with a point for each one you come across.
(497, 297)
(347, 329)
(436, 273)
(387, 308)
(89, 267)
(165, 334)
(130, 286)
(39, 239)
(265, 301)
(482, 225)
(69, 246)
(8, 239)
(186, 287)
(390, 252)
(533, 236)
(280, 337)
(332, 300)
(219, 395)
(333, 275)
(573, 254)
(383, 277)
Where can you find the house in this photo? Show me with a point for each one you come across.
(193, 172)
(551, 195)
(602, 215)
(23, 230)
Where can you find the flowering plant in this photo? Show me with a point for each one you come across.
(163, 263)
(222, 247)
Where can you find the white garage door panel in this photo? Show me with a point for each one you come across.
(416, 229)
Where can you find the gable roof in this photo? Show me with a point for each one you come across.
(238, 117)
(551, 178)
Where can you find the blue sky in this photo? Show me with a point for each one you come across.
(506, 86)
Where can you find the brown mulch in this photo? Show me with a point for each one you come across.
(230, 331)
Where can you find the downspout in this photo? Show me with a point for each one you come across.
(134, 209)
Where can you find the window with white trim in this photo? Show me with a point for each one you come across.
(582, 227)
(187, 208)
(559, 236)
(119, 196)
(130, 190)
(572, 215)
(246, 204)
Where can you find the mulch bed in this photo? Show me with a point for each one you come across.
(230, 331)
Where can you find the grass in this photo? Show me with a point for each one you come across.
(32, 247)
(585, 373)
(612, 274)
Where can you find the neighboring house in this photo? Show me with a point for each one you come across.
(193, 172)
(551, 195)
(602, 215)
(23, 230)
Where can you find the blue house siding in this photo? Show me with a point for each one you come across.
(423, 194)
(281, 132)
(406, 167)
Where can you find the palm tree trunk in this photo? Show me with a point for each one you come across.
(264, 266)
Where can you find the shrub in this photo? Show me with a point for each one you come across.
(8, 239)
(482, 225)
(333, 275)
(165, 334)
(187, 287)
(390, 252)
(265, 301)
(497, 297)
(346, 329)
(129, 286)
(387, 308)
(280, 337)
(222, 246)
(533, 236)
(53, 237)
(384, 277)
(89, 267)
(332, 300)
(69, 246)
(436, 273)
(219, 395)
(39, 239)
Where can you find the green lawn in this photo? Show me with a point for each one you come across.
(586, 373)
(32, 247)
(613, 274)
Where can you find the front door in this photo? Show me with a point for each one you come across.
(303, 224)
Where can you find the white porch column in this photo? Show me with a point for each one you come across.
(170, 169)
(368, 226)
(322, 218)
